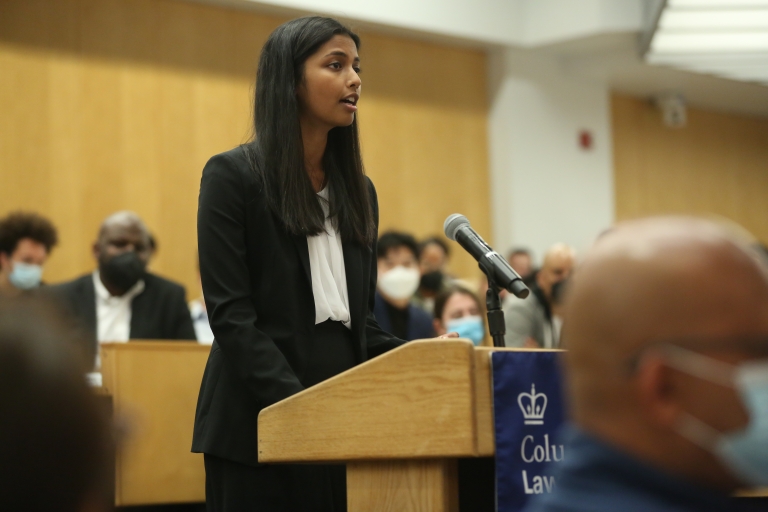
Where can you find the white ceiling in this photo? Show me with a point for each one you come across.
(614, 59)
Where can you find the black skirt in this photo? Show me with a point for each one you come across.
(235, 487)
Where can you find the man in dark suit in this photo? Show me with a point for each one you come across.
(398, 280)
(120, 300)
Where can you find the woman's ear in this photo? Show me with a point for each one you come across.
(657, 391)
(438, 326)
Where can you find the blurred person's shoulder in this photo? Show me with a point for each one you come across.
(68, 288)
(527, 305)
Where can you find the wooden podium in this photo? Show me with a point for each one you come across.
(154, 387)
(399, 422)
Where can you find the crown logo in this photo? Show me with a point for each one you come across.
(533, 405)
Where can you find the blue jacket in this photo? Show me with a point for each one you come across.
(597, 477)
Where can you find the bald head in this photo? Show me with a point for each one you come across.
(557, 265)
(645, 283)
(664, 278)
(124, 220)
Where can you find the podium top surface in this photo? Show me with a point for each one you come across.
(153, 345)
(426, 399)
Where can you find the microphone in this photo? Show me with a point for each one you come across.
(497, 269)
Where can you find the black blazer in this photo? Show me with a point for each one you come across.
(258, 292)
(159, 312)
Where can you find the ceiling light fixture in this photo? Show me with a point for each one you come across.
(728, 38)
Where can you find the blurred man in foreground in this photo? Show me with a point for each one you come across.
(26, 241)
(529, 321)
(120, 300)
(666, 324)
(55, 442)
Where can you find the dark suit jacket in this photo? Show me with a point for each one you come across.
(419, 321)
(159, 312)
(258, 292)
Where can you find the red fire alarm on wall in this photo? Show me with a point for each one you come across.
(585, 140)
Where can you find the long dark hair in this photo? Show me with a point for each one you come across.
(277, 150)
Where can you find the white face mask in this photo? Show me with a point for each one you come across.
(399, 282)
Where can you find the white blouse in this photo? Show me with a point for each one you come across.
(329, 278)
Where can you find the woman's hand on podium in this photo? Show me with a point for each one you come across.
(448, 335)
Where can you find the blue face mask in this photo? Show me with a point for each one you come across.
(25, 276)
(744, 452)
(747, 450)
(471, 327)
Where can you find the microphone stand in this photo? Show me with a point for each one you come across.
(496, 325)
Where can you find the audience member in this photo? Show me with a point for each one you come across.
(666, 323)
(521, 261)
(434, 255)
(398, 279)
(529, 320)
(120, 300)
(152, 245)
(152, 250)
(557, 304)
(55, 441)
(459, 310)
(26, 240)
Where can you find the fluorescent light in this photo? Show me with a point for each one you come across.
(732, 19)
(728, 38)
(709, 42)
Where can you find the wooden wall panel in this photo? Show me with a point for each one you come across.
(117, 104)
(716, 165)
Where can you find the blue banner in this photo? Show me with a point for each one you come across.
(528, 410)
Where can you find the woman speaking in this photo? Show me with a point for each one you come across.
(287, 229)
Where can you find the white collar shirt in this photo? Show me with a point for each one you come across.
(113, 314)
(329, 278)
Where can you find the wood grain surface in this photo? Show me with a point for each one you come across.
(717, 165)
(154, 387)
(403, 486)
(413, 402)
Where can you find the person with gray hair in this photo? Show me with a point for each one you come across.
(120, 299)
(530, 321)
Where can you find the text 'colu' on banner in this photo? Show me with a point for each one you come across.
(528, 412)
